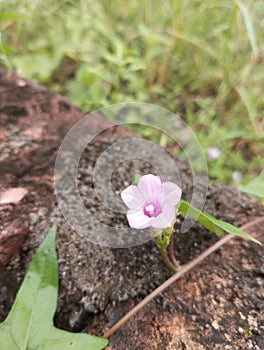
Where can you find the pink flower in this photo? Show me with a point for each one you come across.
(214, 153)
(152, 203)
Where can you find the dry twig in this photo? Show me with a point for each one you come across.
(185, 268)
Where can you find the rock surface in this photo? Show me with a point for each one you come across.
(218, 305)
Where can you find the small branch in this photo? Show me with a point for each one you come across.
(175, 277)
(166, 284)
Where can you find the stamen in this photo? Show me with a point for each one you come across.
(150, 209)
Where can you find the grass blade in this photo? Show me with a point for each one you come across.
(249, 26)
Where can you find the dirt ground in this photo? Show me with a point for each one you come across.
(218, 305)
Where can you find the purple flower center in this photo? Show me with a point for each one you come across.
(152, 209)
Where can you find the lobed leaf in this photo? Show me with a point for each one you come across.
(29, 324)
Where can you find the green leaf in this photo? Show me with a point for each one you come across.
(211, 223)
(256, 186)
(7, 16)
(137, 177)
(29, 324)
(246, 98)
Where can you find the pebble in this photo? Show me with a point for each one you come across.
(227, 336)
(242, 316)
(215, 325)
(241, 330)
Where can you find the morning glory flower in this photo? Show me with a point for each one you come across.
(151, 203)
(214, 153)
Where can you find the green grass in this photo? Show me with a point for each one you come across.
(199, 59)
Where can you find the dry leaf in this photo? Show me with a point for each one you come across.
(12, 195)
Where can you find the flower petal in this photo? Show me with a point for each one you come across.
(164, 219)
(137, 219)
(133, 197)
(151, 191)
(152, 185)
(171, 194)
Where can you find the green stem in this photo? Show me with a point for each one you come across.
(167, 261)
